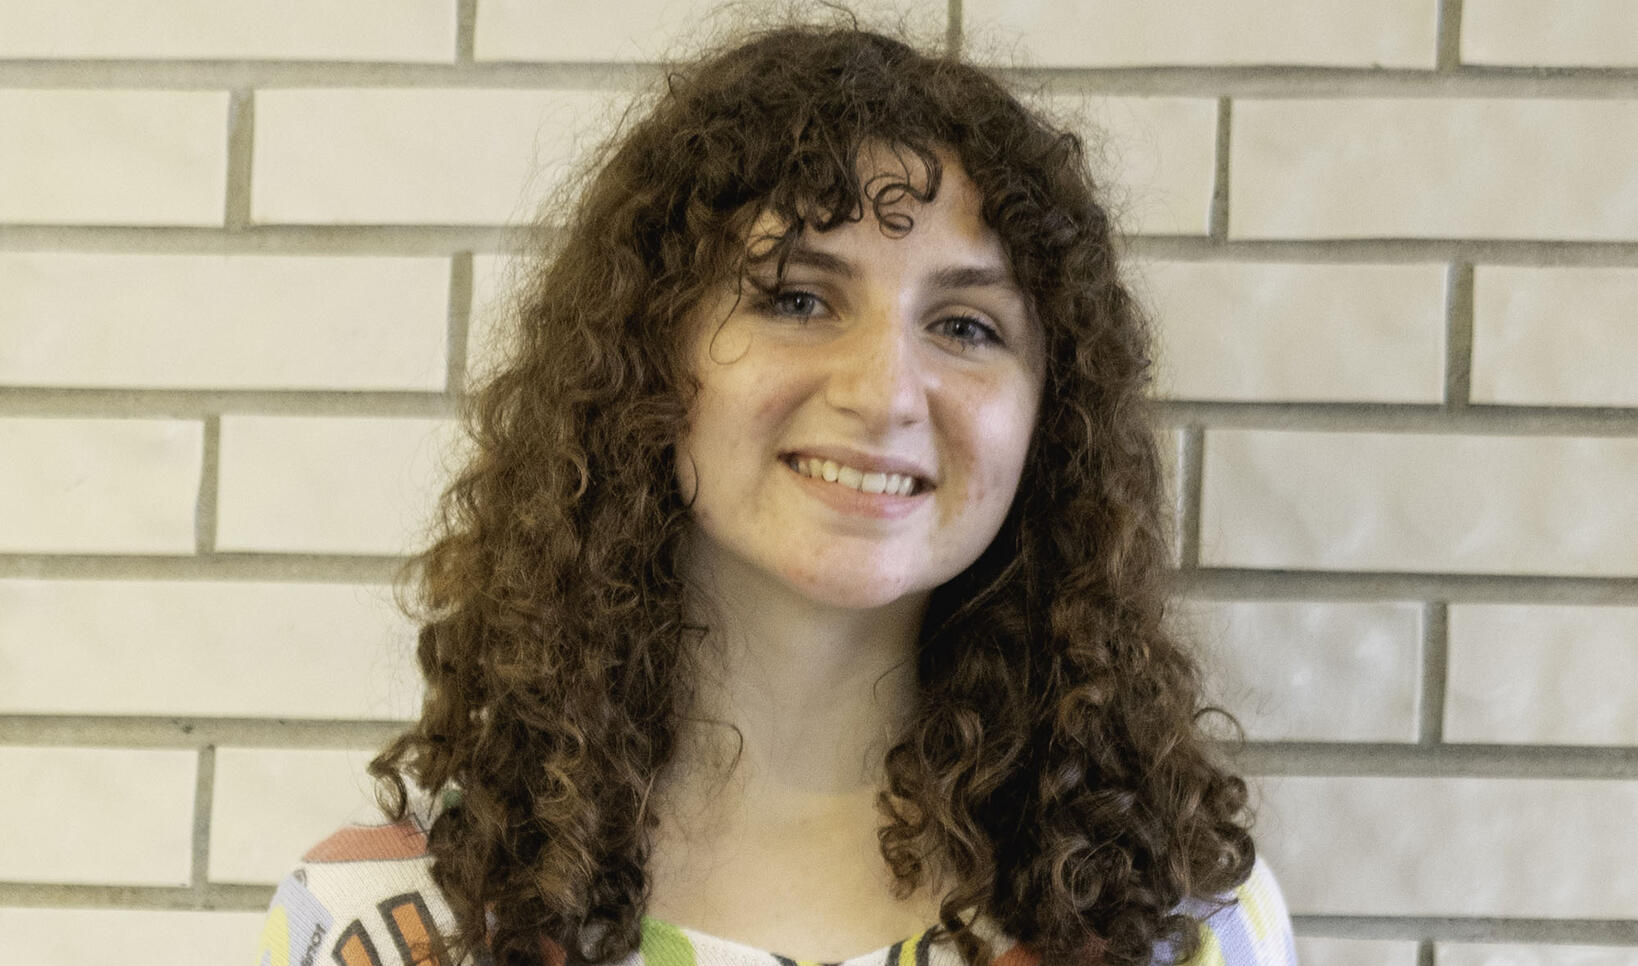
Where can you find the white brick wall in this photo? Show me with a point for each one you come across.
(75, 936)
(1390, 249)
(223, 322)
(62, 830)
(272, 804)
(1434, 168)
(392, 30)
(394, 157)
(113, 157)
(99, 485)
(233, 649)
(293, 484)
(1470, 847)
(1122, 33)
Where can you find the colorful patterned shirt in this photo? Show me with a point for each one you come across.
(365, 897)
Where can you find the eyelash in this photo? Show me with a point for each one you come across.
(771, 304)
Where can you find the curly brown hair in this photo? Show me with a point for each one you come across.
(1055, 761)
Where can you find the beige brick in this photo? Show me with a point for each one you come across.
(1121, 33)
(1155, 157)
(651, 30)
(490, 335)
(1497, 954)
(1434, 168)
(97, 816)
(206, 648)
(75, 485)
(223, 322)
(1312, 670)
(1546, 675)
(1313, 951)
(322, 485)
(1263, 332)
(106, 157)
(271, 805)
(1425, 503)
(400, 30)
(1528, 848)
(1586, 33)
(419, 156)
(127, 937)
(1555, 336)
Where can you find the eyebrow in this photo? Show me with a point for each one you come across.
(953, 276)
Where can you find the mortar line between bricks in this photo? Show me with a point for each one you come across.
(203, 799)
(1190, 486)
(1424, 953)
(1458, 335)
(1340, 760)
(1591, 932)
(240, 154)
(1340, 417)
(1448, 47)
(447, 240)
(217, 897)
(466, 29)
(171, 731)
(1204, 583)
(953, 12)
(1217, 222)
(210, 475)
(460, 322)
(1435, 671)
(1201, 81)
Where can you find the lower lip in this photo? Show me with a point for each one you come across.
(845, 499)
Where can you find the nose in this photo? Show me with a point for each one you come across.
(876, 375)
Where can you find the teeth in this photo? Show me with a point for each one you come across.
(893, 484)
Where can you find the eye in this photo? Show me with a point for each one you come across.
(795, 302)
(969, 330)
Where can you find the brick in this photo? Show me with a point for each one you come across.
(205, 648)
(75, 485)
(1497, 954)
(1356, 952)
(1312, 670)
(1264, 332)
(224, 322)
(63, 937)
(269, 806)
(1587, 33)
(1155, 157)
(64, 829)
(1420, 502)
(323, 485)
(105, 157)
(1555, 336)
(490, 337)
(650, 30)
(1547, 675)
(1125, 33)
(1434, 168)
(394, 30)
(418, 156)
(1429, 847)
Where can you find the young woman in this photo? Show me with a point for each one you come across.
(804, 597)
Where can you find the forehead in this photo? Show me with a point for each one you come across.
(892, 183)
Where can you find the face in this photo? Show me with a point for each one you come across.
(861, 428)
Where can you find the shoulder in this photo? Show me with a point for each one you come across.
(1251, 928)
(363, 895)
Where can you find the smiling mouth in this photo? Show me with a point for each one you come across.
(875, 484)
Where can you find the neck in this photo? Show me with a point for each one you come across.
(816, 692)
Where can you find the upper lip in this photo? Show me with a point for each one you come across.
(865, 462)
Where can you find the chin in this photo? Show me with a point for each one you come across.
(857, 592)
